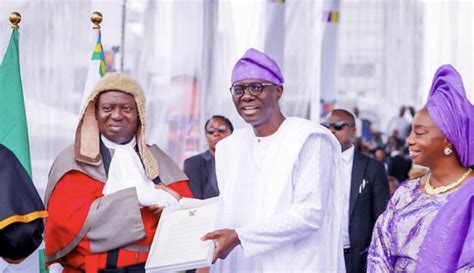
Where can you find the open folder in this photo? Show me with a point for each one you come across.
(177, 243)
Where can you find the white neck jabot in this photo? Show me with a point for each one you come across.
(126, 171)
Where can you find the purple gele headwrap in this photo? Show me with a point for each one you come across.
(257, 65)
(452, 112)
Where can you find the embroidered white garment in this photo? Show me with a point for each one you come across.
(282, 195)
(126, 171)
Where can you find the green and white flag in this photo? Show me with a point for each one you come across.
(13, 126)
(96, 67)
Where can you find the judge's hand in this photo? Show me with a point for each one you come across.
(226, 240)
(169, 190)
(155, 209)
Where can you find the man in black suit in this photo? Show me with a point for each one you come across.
(200, 168)
(366, 191)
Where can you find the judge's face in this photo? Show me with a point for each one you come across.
(117, 116)
(426, 142)
(258, 110)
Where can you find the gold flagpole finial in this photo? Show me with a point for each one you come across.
(15, 19)
(96, 19)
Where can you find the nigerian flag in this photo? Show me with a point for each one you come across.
(13, 128)
(96, 67)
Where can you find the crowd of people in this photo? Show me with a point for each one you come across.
(295, 196)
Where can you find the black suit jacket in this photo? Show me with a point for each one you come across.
(201, 172)
(367, 201)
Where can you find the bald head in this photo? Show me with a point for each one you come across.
(348, 115)
(342, 124)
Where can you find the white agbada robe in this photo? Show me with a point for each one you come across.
(282, 195)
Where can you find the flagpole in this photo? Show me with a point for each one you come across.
(15, 19)
(14, 132)
(122, 49)
(96, 19)
(97, 67)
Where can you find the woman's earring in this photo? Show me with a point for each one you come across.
(447, 151)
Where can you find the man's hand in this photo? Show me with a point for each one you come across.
(226, 240)
(169, 190)
(155, 209)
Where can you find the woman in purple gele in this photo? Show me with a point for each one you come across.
(425, 227)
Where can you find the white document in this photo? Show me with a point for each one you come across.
(177, 243)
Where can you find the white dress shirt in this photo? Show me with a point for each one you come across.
(347, 162)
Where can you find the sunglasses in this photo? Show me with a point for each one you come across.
(255, 88)
(221, 129)
(338, 125)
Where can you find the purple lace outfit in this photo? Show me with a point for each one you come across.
(400, 231)
(399, 243)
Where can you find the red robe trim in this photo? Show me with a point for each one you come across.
(68, 208)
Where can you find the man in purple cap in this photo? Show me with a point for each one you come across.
(279, 180)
